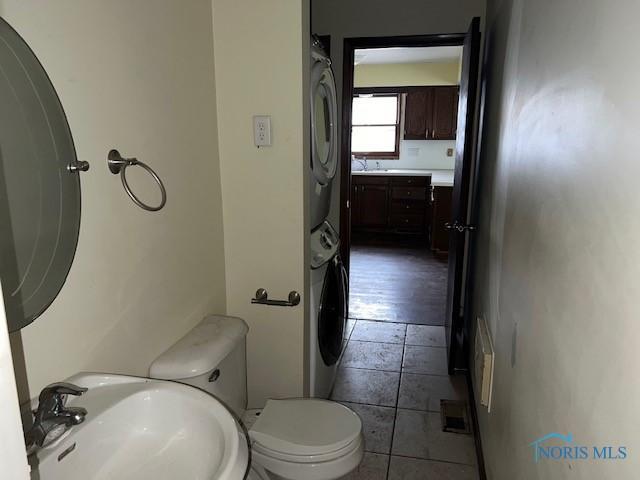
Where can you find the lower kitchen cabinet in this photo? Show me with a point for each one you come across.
(401, 205)
(440, 215)
(398, 205)
(373, 206)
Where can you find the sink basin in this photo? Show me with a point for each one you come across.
(143, 429)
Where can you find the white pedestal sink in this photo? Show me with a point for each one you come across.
(143, 429)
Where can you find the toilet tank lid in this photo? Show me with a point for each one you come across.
(200, 350)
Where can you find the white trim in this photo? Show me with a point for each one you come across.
(13, 457)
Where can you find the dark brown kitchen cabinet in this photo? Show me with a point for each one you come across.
(389, 204)
(374, 209)
(445, 113)
(440, 215)
(416, 119)
(431, 113)
(369, 205)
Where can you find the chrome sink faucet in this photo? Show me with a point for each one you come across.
(52, 418)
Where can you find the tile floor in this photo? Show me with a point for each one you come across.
(393, 375)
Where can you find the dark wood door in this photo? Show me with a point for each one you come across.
(457, 332)
(417, 118)
(355, 205)
(373, 203)
(441, 214)
(444, 113)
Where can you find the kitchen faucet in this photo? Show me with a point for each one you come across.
(362, 161)
(52, 418)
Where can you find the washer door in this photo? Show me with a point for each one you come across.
(332, 315)
(324, 126)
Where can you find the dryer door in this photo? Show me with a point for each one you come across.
(332, 315)
(324, 125)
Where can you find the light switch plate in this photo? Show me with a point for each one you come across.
(262, 130)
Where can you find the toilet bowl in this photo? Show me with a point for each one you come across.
(291, 439)
(306, 439)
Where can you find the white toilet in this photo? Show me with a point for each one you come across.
(291, 439)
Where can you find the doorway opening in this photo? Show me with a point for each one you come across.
(403, 138)
(407, 155)
(406, 150)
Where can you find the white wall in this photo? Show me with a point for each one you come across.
(370, 18)
(261, 57)
(425, 154)
(13, 456)
(557, 260)
(137, 76)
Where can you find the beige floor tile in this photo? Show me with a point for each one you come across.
(377, 423)
(424, 392)
(403, 468)
(429, 360)
(420, 435)
(425, 335)
(373, 467)
(373, 355)
(366, 386)
(369, 331)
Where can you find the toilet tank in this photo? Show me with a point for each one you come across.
(212, 357)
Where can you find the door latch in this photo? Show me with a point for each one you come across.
(459, 227)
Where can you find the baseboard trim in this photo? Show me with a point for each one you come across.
(482, 473)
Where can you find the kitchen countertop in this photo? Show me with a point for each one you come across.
(439, 178)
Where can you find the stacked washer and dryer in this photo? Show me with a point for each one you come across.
(329, 283)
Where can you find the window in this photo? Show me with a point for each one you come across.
(375, 126)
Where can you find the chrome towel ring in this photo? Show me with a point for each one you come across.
(118, 164)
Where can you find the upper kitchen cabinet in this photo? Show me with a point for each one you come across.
(444, 113)
(431, 113)
(417, 121)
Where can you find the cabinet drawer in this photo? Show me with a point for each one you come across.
(411, 181)
(408, 193)
(369, 180)
(408, 207)
(407, 220)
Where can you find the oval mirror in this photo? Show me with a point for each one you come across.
(39, 195)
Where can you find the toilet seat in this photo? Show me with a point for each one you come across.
(305, 427)
(313, 439)
(304, 459)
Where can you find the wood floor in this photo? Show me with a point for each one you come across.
(397, 283)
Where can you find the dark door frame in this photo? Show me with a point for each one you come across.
(348, 62)
(350, 45)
